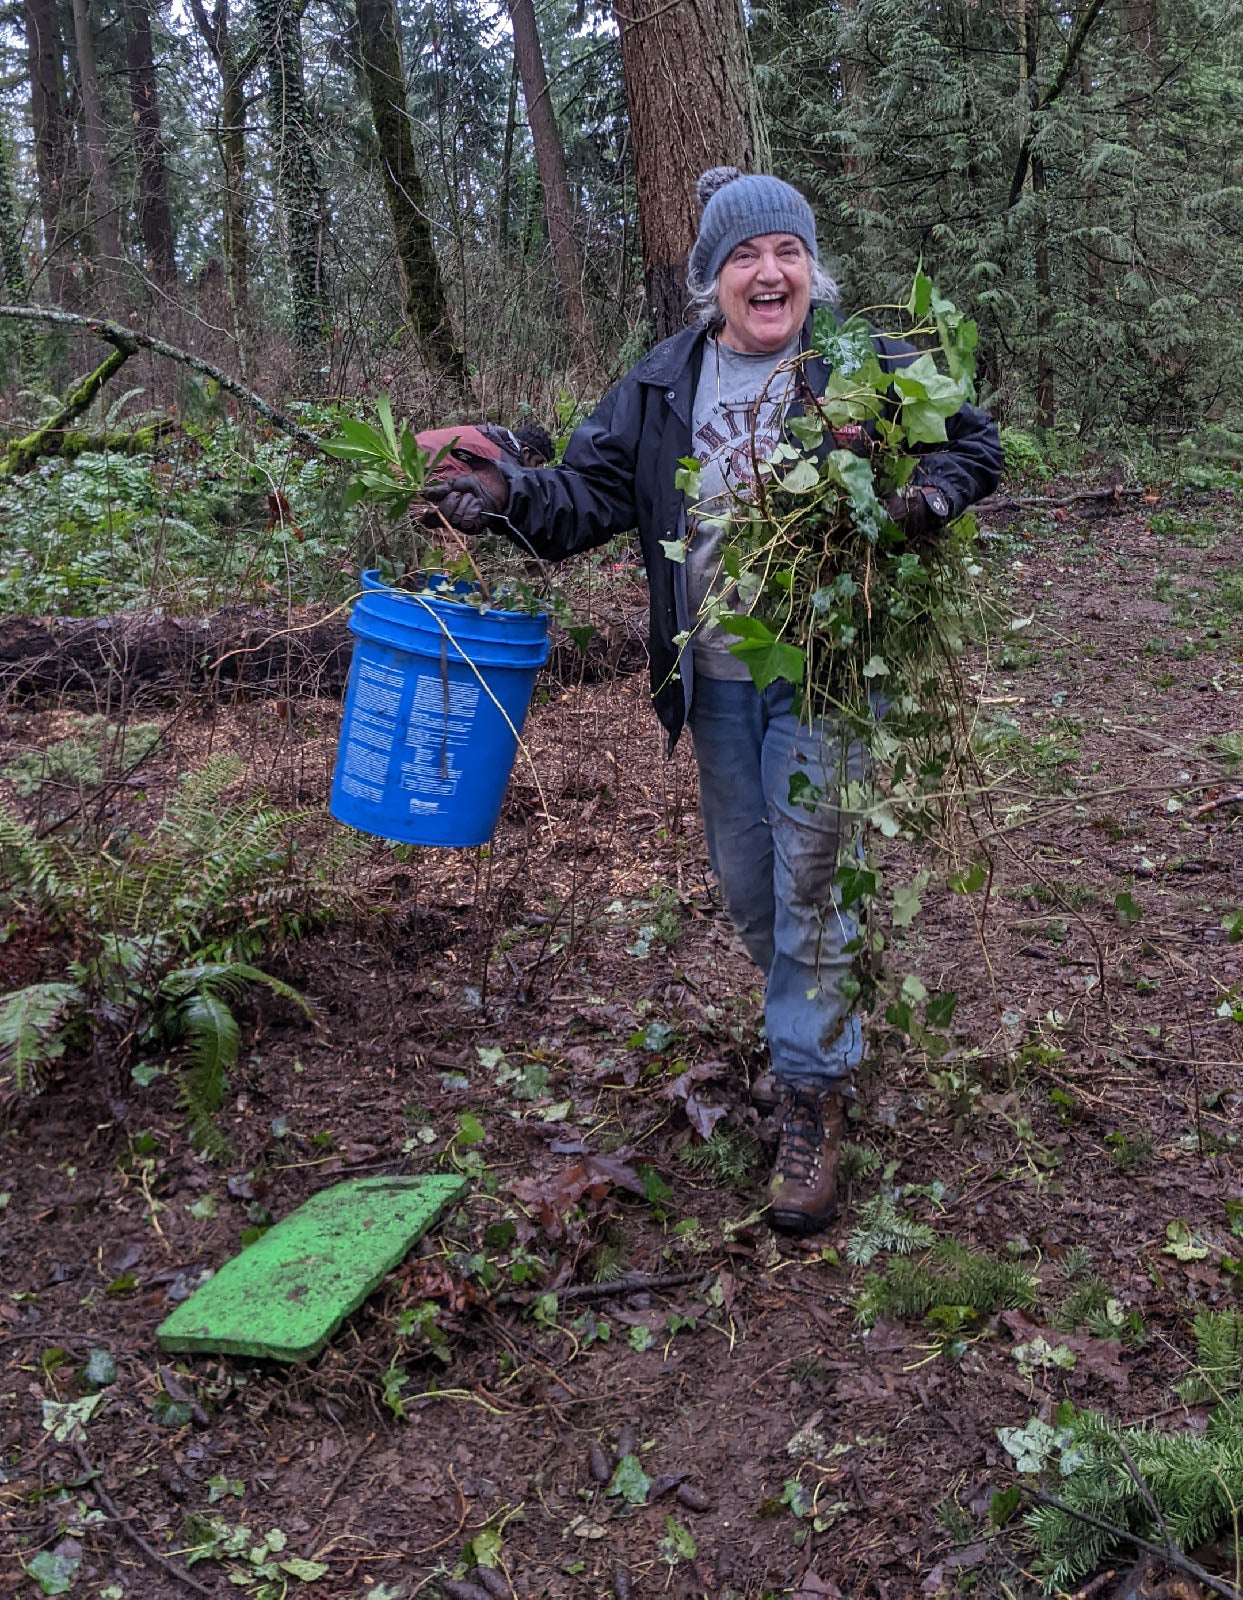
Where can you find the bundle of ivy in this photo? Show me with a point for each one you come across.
(828, 593)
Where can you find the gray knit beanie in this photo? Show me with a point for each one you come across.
(738, 206)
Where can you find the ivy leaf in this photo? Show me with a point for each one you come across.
(928, 397)
(801, 477)
(809, 431)
(1030, 1446)
(675, 549)
(678, 1543)
(907, 902)
(968, 882)
(855, 884)
(100, 1369)
(846, 347)
(687, 477)
(1128, 909)
(1182, 1244)
(55, 1570)
(629, 1482)
(299, 1567)
(767, 657)
(469, 1129)
(920, 297)
(65, 1420)
(939, 1012)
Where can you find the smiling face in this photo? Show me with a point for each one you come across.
(764, 292)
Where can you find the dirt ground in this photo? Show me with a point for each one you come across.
(562, 1018)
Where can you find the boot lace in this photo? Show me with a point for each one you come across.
(801, 1146)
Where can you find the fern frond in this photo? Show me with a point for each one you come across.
(25, 861)
(231, 978)
(31, 1035)
(213, 1037)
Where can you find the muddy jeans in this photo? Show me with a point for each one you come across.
(776, 863)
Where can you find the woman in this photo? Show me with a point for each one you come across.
(755, 278)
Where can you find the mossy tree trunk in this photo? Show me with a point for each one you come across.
(297, 173)
(12, 266)
(427, 308)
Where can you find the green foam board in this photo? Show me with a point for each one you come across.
(287, 1293)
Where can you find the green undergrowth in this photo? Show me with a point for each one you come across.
(213, 520)
(155, 936)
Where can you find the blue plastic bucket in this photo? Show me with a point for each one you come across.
(437, 693)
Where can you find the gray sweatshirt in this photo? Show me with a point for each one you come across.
(730, 385)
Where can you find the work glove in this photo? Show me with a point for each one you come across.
(467, 501)
(921, 514)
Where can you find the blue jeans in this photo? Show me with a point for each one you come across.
(776, 864)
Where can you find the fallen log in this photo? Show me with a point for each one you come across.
(242, 652)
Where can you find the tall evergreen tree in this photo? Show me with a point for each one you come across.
(297, 171)
(54, 165)
(550, 159)
(426, 306)
(155, 214)
(1069, 174)
(103, 215)
(693, 104)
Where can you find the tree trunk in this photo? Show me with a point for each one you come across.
(550, 161)
(103, 216)
(506, 185)
(154, 212)
(426, 306)
(45, 54)
(231, 145)
(693, 104)
(297, 174)
(1046, 408)
(12, 266)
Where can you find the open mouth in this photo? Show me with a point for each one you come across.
(768, 302)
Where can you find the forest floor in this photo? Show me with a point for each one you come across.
(561, 1019)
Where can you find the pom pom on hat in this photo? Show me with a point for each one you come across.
(714, 179)
(744, 205)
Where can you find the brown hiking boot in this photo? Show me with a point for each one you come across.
(803, 1188)
(765, 1093)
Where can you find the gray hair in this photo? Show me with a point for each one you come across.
(703, 304)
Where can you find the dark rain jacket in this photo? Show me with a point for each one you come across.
(618, 473)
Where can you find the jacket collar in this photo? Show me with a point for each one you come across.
(668, 361)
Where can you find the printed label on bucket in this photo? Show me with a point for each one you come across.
(372, 733)
(441, 720)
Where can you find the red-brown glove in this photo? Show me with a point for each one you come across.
(468, 500)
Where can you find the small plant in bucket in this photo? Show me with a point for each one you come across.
(391, 470)
(443, 669)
